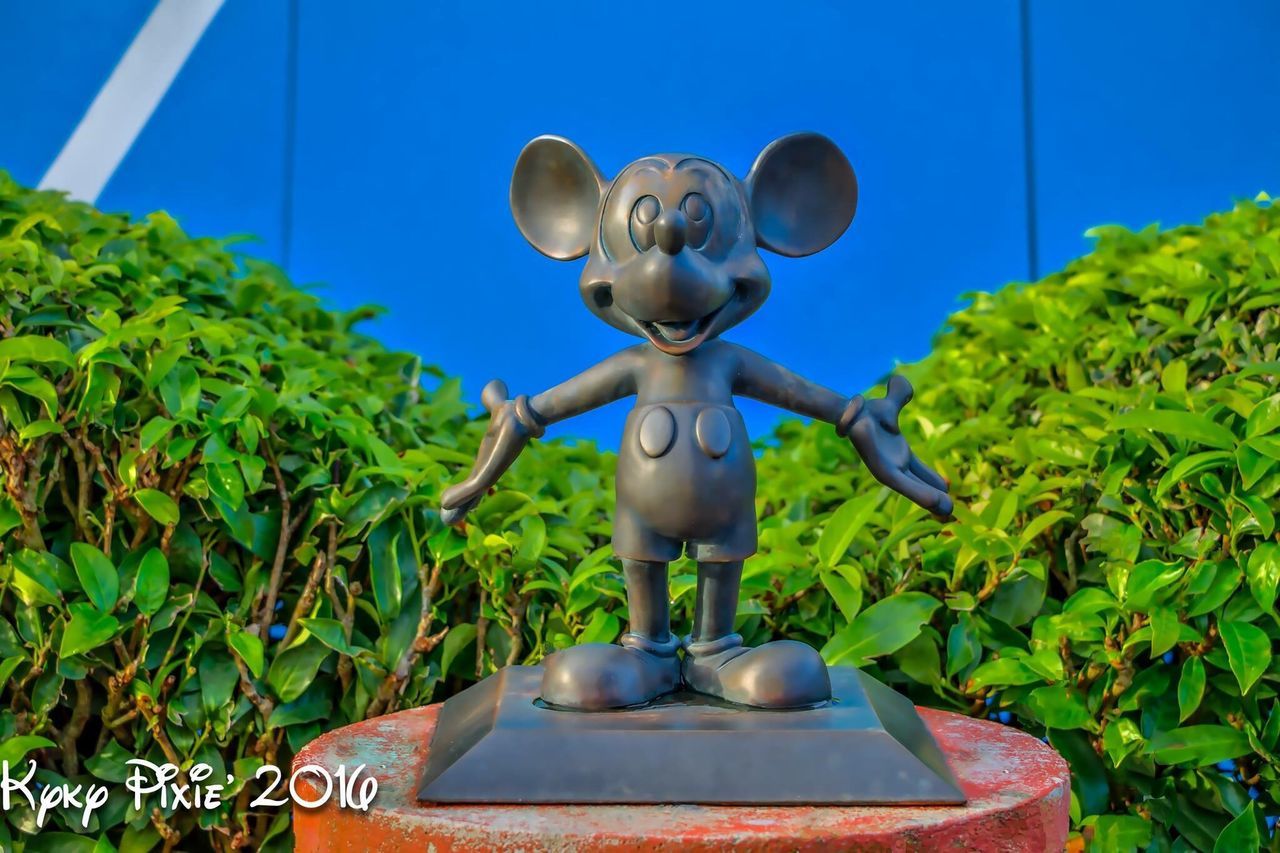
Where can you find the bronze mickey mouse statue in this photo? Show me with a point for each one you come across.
(671, 246)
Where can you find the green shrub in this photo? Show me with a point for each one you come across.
(189, 440)
(196, 458)
(1112, 434)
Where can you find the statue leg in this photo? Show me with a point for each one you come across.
(648, 601)
(780, 674)
(598, 676)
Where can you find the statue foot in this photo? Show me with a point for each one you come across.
(777, 675)
(600, 676)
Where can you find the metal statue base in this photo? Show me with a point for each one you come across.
(496, 742)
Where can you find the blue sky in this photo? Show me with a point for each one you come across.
(370, 148)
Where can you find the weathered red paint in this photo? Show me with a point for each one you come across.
(1017, 789)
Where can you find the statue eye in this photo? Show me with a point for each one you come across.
(646, 210)
(698, 212)
(695, 207)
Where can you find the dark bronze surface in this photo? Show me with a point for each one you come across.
(498, 743)
(672, 257)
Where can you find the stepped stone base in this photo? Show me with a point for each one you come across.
(498, 743)
(1016, 788)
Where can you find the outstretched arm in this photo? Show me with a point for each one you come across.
(872, 425)
(512, 423)
(769, 382)
(611, 379)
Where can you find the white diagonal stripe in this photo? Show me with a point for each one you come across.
(126, 101)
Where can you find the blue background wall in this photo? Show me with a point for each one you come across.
(369, 147)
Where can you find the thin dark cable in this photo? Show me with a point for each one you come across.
(1028, 141)
(290, 134)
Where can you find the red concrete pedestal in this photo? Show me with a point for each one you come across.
(1017, 787)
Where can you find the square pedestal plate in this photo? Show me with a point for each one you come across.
(498, 743)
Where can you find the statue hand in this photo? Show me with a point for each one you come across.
(502, 443)
(876, 436)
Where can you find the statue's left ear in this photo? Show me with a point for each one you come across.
(802, 193)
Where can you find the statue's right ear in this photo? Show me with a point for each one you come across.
(803, 194)
(555, 197)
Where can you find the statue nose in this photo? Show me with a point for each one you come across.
(669, 232)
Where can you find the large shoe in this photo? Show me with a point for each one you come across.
(778, 675)
(600, 676)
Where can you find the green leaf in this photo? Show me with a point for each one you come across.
(31, 221)
(1190, 687)
(592, 566)
(1039, 524)
(158, 505)
(920, 660)
(384, 569)
(1174, 377)
(844, 524)
(455, 643)
(1261, 511)
(37, 429)
(844, 585)
(180, 389)
(37, 348)
(1088, 774)
(1190, 465)
(1165, 628)
(232, 405)
(1059, 707)
(7, 667)
(9, 515)
(218, 676)
(151, 584)
(293, 669)
(1226, 577)
(224, 574)
(1186, 425)
(1150, 581)
(1120, 739)
(32, 580)
(331, 633)
(240, 522)
(603, 628)
(1011, 670)
(963, 645)
(1119, 833)
(226, 483)
(1240, 835)
(14, 749)
(87, 630)
(110, 762)
(310, 706)
(1264, 418)
(25, 381)
(1263, 572)
(97, 574)
(447, 544)
(882, 628)
(1253, 465)
(1020, 598)
(1198, 745)
(154, 432)
(533, 539)
(249, 648)
(1248, 650)
(62, 842)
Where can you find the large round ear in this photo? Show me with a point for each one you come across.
(555, 193)
(803, 194)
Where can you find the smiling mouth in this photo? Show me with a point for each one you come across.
(676, 337)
